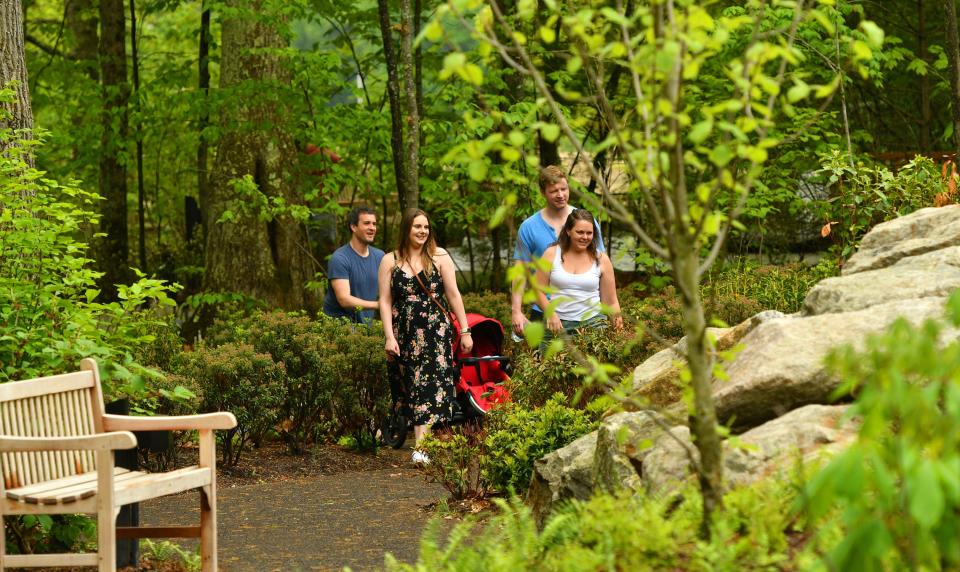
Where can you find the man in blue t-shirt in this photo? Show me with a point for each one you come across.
(538, 232)
(352, 271)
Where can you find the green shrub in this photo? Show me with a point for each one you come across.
(517, 437)
(304, 349)
(235, 378)
(537, 378)
(456, 455)
(766, 287)
(898, 487)
(49, 309)
(335, 382)
(356, 369)
(631, 531)
(161, 342)
(43, 534)
(863, 196)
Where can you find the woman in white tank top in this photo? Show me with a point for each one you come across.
(579, 278)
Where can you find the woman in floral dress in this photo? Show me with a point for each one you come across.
(418, 287)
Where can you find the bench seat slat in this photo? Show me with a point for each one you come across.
(65, 490)
(49, 560)
(129, 486)
(153, 485)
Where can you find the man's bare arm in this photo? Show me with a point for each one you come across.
(341, 289)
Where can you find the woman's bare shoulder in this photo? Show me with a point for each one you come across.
(441, 252)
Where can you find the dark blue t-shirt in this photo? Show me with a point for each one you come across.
(361, 271)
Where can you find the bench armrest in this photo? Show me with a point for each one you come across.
(95, 442)
(219, 420)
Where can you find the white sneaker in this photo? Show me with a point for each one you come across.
(420, 458)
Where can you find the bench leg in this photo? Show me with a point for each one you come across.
(3, 541)
(208, 504)
(106, 514)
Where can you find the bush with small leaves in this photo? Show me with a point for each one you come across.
(456, 455)
(235, 378)
(516, 437)
(537, 378)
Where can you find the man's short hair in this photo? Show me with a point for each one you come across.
(551, 175)
(353, 219)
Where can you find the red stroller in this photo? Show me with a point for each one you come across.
(479, 388)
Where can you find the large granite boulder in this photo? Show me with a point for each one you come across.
(778, 392)
(925, 230)
(781, 365)
(564, 474)
(661, 369)
(803, 435)
(931, 274)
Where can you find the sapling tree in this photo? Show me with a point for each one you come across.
(691, 125)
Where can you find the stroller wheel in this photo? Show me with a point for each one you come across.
(393, 430)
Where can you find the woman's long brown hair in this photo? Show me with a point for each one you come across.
(403, 243)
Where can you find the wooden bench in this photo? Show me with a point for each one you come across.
(56, 449)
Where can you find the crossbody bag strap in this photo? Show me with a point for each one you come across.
(439, 305)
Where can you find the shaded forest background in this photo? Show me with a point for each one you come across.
(228, 138)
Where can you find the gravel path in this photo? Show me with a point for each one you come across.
(312, 523)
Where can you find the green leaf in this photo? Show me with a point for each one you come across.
(533, 334)
(547, 34)
(477, 170)
(667, 56)
(700, 131)
(873, 32)
(721, 155)
(434, 31)
(498, 216)
(861, 51)
(926, 495)
(799, 91)
(472, 73)
(550, 132)
(452, 63)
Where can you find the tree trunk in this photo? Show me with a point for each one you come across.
(953, 54)
(203, 177)
(393, 93)
(81, 22)
(113, 172)
(141, 218)
(266, 260)
(411, 141)
(926, 110)
(703, 423)
(17, 114)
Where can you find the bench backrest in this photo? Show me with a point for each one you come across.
(56, 406)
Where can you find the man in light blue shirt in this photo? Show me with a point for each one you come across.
(538, 232)
(352, 271)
